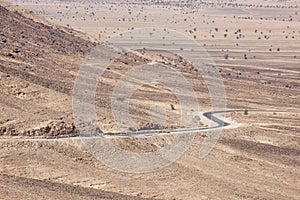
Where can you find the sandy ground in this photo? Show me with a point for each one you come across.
(257, 161)
(255, 47)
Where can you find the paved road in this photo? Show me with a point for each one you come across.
(211, 116)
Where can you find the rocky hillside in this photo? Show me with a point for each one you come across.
(38, 64)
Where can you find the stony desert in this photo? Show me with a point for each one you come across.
(45, 46)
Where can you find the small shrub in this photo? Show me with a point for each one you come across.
(172, 106)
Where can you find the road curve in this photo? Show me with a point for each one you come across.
(210, 115)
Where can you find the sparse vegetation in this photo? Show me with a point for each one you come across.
(226, 56)
(172, 106)
(252, 44)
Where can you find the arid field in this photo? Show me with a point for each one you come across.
(255, 49)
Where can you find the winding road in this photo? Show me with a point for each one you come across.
(210, 115)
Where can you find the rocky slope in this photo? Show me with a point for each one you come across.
(38, 64)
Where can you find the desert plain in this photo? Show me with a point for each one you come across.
(255, 49)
